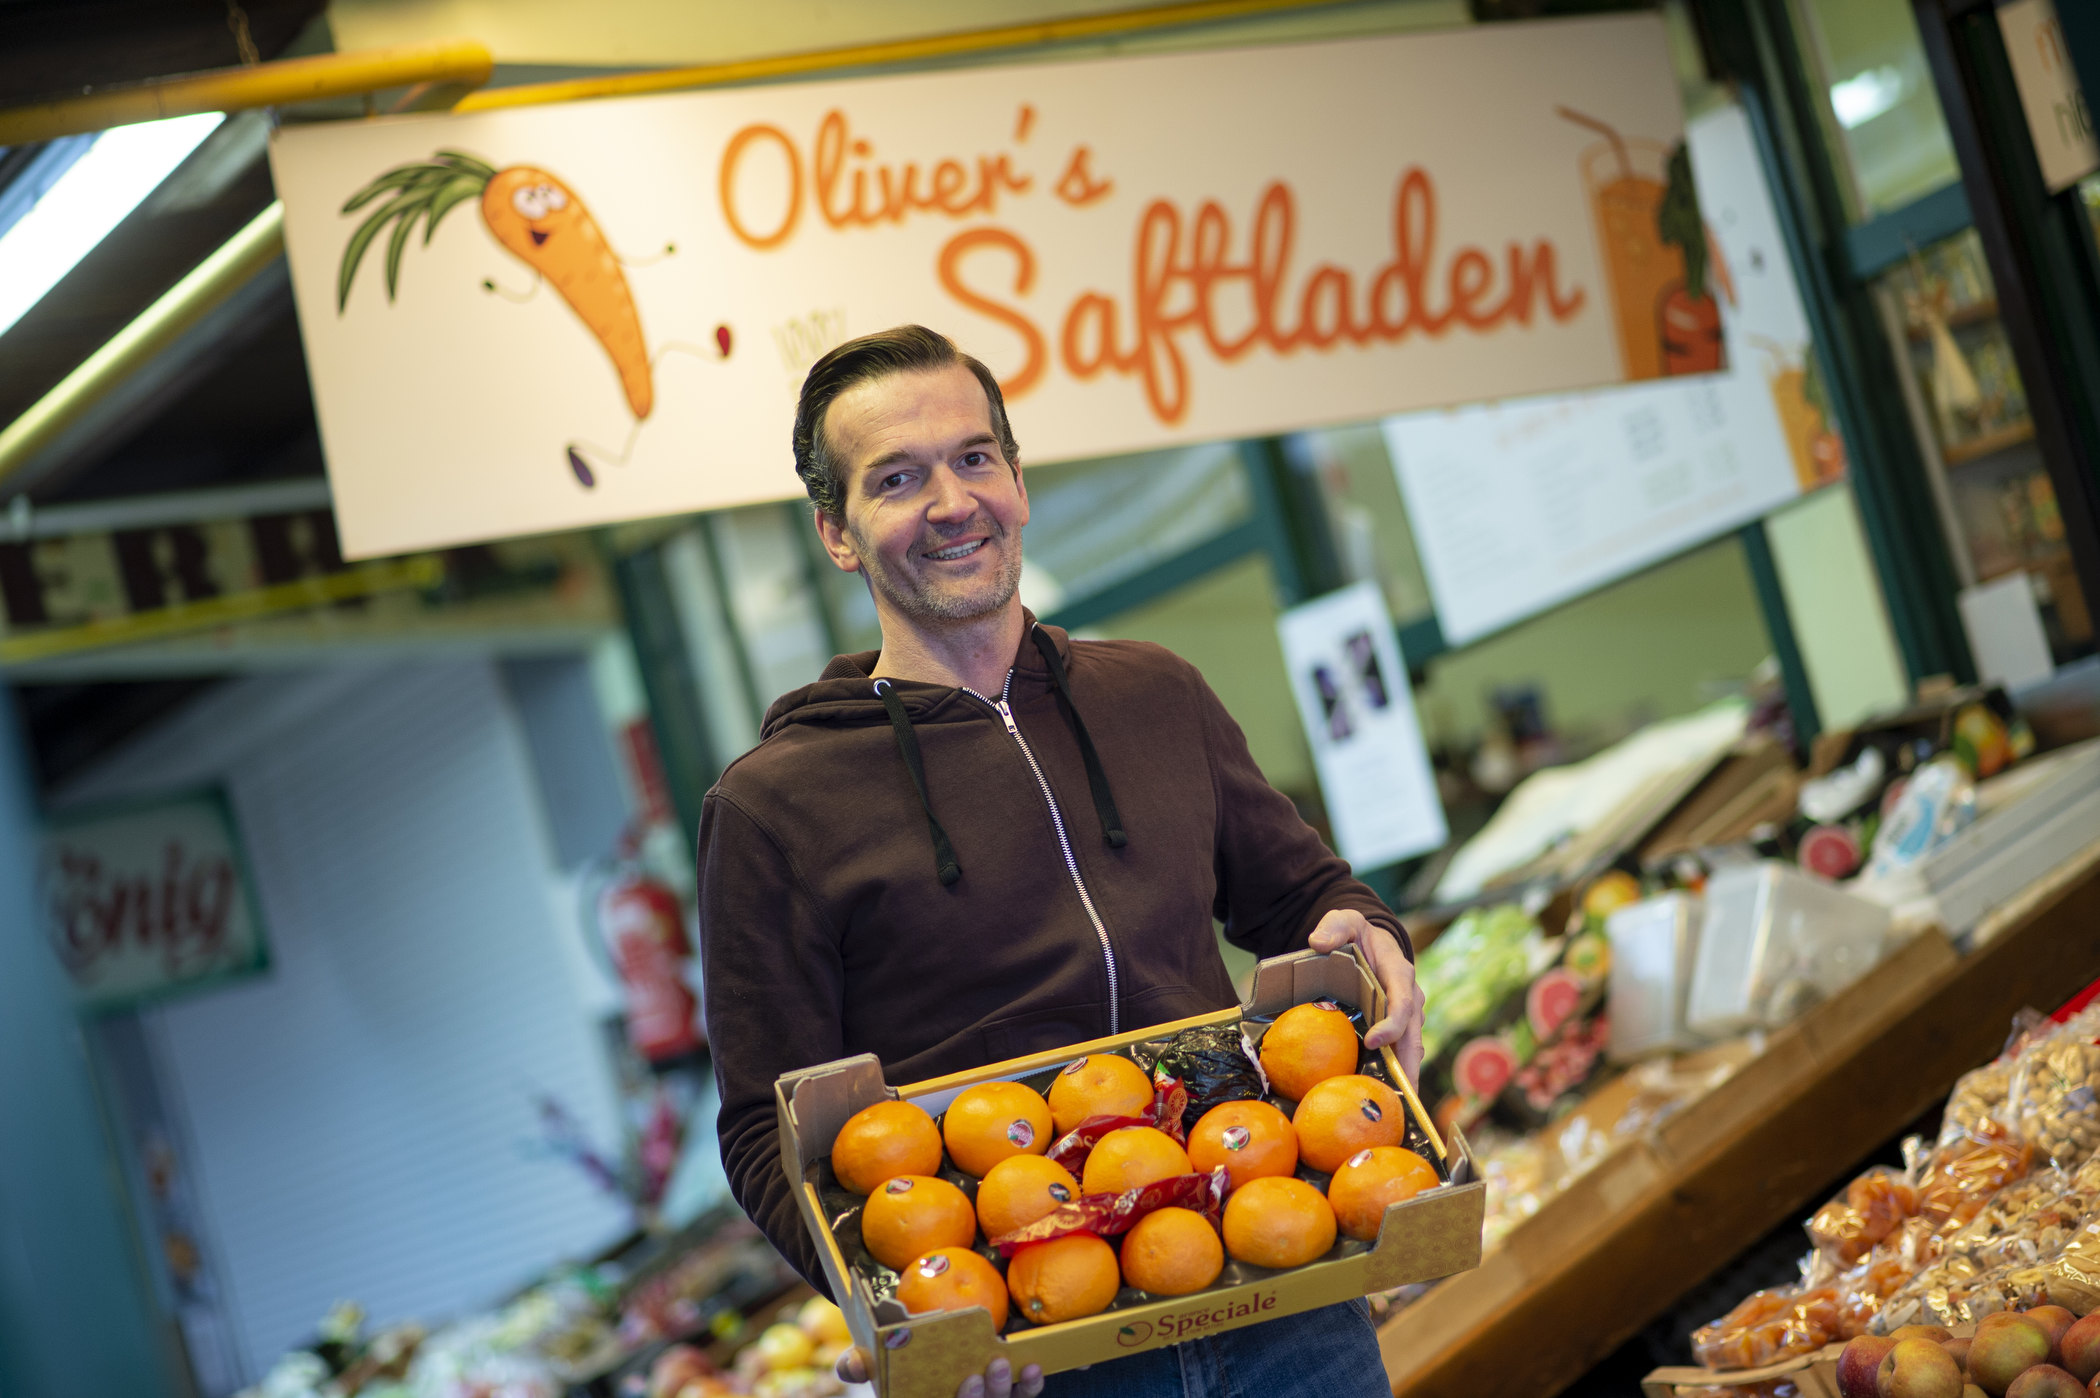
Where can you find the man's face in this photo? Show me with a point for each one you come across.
(933, 512)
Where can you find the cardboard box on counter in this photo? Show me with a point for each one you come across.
(1813, 1375)
(1435, 1234)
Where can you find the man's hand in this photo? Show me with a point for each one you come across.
(997, 1380)
(1402, 1026)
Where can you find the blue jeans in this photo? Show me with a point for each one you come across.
(1330, 1353)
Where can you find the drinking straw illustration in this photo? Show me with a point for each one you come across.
(1607, 131)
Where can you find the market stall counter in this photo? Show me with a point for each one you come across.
(1662, 1211)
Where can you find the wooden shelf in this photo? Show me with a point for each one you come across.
(1989, 444)
(1975, 313)
(1664, 1212)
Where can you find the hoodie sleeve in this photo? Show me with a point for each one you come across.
(1276, 878)
(774, 989)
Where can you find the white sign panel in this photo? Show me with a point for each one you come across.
(1359, 716)
(2050, 94)
(148, 900)
(543, 318)
(1517, 506)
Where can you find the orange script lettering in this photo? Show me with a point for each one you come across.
(1185, 277)
(850, 188)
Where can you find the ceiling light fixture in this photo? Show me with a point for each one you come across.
(108, 181)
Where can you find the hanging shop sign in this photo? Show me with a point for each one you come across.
(1518, 506)
(2053, 100)
(1359, 716)
(173, 596)
(148, 900)
(547, 317)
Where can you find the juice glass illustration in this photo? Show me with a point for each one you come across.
(1818, 452)
(1626, 180)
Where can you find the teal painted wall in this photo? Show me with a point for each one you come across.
(74, 1317)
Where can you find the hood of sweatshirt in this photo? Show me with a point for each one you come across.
(844, 695)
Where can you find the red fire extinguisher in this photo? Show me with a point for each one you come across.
(643, 928)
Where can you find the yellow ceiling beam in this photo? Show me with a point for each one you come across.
(462, 63)
(184, 304)
(1113, 24)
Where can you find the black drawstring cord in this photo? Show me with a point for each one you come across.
(908, 747)
(1096, 778)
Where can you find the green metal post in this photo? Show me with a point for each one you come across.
(1751, 42)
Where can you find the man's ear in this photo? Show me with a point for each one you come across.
(837, 542)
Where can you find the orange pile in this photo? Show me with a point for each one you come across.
(1307, 1044)
(1344, 1115)
(1102, 1084)
(1278, 1221)
(1021, 1189)
(1172, 1252)
(1250, 1139)
(1064, 1279)
(1371, 1179)
(883, 1141)
(912, 1215)
(1131, 1157)
(952, 1279)
(993, 1120)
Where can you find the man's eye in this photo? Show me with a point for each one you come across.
(975, 458)
(892, 481)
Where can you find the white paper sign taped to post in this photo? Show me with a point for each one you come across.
(1350, 682)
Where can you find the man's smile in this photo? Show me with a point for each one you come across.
(955, 551)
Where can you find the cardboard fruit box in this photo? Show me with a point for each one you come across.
(1434, 1234)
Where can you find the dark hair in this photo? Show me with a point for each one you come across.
(905, 349)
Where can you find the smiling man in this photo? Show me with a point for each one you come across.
(988, 839)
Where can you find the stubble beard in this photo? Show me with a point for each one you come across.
(919, 601)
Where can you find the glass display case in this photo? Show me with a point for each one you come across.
(1970, 411)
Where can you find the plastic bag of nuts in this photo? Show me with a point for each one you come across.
(2054, 1096)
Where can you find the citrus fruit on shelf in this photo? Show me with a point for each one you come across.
(1308, 1044)
(1172, 1252)
(1343, 1115)
(883, 1141)
(993, 1120)
(1613, 890)
(1063, 1279)
(1130, 1157)
(1371, 1179)
(912, 1215)
(1019, 1190)
(953, 1279)
(825, 1322)
(1101, 1084)
(1278, 1221)
(1250, 1139)
(786, 1346)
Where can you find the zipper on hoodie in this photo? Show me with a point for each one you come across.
(1001, 707)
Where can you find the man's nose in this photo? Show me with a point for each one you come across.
(951, 499)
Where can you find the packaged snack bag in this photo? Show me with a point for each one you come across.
(1848, 1227)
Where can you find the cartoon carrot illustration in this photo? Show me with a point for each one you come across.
(540, 221)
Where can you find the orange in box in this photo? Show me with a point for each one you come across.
(1434, 1234)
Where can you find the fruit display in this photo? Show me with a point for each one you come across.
(1089, 1184)
(1987, 1226)
(1521, 1027)
(714, 1291)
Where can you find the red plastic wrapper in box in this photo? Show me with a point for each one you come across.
(1169, 1099)
(1110, 1214)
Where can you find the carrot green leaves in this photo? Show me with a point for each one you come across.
(426, 190)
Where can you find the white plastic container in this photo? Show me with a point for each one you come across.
(1653, 946)
(1776, 940)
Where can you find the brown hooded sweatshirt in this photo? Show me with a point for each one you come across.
(1034, 896)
